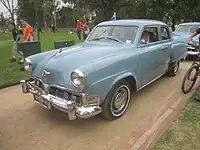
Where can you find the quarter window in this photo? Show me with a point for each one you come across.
(165, 35)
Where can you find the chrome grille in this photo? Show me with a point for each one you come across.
(39, 83)
(64, 94)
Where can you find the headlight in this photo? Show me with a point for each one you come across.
(27, 65)
(77, 79)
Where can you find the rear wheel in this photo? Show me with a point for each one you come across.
(117, 100)
(191, 77)
(173, 68)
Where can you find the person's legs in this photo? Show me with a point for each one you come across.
(21, 54)
(14, 52)
(84, 36)
(79, 34)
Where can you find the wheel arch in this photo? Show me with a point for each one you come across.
(128, 77)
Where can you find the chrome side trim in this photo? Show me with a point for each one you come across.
(151, 81)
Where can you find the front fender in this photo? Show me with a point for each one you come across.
(41, 57)
(123, 76)
(102, 75)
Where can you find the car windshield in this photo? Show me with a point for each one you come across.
(121, 34)
(187, 28)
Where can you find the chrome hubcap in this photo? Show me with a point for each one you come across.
(120, 100)
(176, 67)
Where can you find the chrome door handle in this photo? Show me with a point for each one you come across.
(164, 47)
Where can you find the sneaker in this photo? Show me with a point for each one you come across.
(13, 60)
(21, 61)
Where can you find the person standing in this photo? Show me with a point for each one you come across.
(28, 34)
(16, 38)
(86, 31)
(79, 27)
(53, 29)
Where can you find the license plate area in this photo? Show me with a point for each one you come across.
(43, 102)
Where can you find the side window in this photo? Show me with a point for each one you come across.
(165, 35)
(149, 35)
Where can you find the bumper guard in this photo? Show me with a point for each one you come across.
(68, 106)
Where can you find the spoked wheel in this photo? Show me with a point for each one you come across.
(190, 79)
(117, 101)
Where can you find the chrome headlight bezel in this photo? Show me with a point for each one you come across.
(77, 79)
(28, 65)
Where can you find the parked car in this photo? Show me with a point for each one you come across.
(182, 33)
(100, 75)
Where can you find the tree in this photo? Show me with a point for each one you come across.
(2, 22)
(10, 6)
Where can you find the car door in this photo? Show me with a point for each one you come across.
(150, 54)
(166, 50)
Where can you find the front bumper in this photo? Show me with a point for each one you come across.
(192, 51)
(68, 106)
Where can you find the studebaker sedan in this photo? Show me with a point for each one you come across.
(182, 33)
(117, 59)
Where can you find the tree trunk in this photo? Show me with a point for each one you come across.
(54, 14)
(44, 17)
(173, 23)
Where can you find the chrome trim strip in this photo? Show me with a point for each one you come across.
(151, 81)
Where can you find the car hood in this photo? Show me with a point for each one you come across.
(61, 65)
(182, 37)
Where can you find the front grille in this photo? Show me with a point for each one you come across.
(64, 94)
(39, 83)
(57, 92)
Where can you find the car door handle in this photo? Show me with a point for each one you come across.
(164, 47)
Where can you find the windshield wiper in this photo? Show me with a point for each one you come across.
(115, 39)
(107, 37)
(98, 38)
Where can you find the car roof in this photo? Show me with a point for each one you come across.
(190, 23)
(131, 22)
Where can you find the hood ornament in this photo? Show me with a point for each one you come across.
(45, 73)
(59, 51)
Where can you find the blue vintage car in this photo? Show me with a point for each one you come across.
(182, 33)
(117, 59)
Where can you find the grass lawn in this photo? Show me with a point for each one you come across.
(184, 133)
(9, 72)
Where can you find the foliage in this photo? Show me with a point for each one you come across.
(170, 11)
(10, 6)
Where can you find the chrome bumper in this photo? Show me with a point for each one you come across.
(192, 53)
(74, 111)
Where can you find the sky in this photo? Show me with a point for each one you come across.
(4, 10)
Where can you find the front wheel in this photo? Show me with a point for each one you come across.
(117, 100)
(191, 75)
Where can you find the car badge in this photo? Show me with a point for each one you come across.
(45, 73)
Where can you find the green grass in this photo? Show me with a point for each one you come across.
(184, 133)
(10, 73)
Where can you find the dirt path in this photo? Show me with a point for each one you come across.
(27, 126)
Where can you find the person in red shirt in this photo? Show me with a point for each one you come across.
(28, 31)
(28, 34)
(79, 27)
